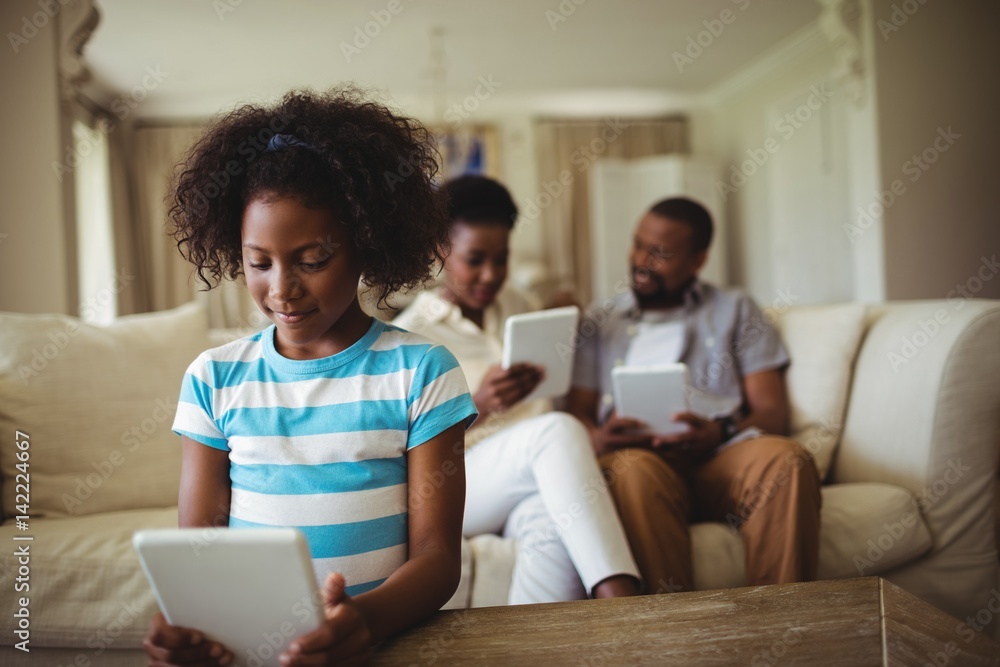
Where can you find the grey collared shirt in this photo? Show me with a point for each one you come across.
(726, 337)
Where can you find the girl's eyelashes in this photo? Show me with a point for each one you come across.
(313, 266)
(309, 266)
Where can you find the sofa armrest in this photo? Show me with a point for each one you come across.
(924, 414)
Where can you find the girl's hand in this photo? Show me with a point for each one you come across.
(501, 388)
(168, 645)
(342, 639)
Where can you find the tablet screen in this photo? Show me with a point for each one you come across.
(254, 591)
(543, 338)
(652, 394)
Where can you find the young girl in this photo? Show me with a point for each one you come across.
(328, 420)
(532, 473)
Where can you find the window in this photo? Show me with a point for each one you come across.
(94, 234)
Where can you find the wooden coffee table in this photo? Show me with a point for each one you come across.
(866, 621)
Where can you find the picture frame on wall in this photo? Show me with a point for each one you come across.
(467, 149)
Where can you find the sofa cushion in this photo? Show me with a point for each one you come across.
(11, 657)
(718, 556)
(865, 529)
(869, 529)
(97, 404)
(462, 597)
(87, 587)
(492, 568)
(822, 343)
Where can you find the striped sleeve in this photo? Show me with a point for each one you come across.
(194, 407)
(439, 397)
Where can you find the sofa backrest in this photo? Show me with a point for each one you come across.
(822, 342)
(97, 405)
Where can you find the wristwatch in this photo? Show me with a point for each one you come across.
(729, 427)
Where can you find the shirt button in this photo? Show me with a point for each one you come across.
(608, 399)
(632, 330)
(709, 342)
(619, 362)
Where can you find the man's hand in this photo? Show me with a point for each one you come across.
(502, 389)
(620, 432)
(342, 639)
(701, 438)
(168, 645)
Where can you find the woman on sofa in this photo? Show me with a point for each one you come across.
(529, 470)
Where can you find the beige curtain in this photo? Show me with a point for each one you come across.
(157, 150)
(170, 279)
(130, 258)
(565, 150)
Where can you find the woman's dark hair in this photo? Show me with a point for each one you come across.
(691, 213)
(478, 199)
(371, 167)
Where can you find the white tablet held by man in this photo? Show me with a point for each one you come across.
(653, 395)
(543, 338)
(253, 590)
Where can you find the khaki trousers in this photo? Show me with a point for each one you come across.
(767, 488)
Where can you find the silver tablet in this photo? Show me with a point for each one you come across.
(253, 590)
(543, 338)
(652, 394)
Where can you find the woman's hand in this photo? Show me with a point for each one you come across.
(168, 645)
(502, 389)
(342, 639)
(703, 436)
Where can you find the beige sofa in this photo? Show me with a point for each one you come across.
(901, 402)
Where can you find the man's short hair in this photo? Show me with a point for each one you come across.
(478, 199)
(691, 213)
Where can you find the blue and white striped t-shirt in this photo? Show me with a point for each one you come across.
(321, 444)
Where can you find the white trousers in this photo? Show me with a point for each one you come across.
(538, 482)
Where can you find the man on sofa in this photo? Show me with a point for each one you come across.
(733, 464)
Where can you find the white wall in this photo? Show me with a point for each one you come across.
(800, 151)
(935, 72)
(33, 245)
(864, 225)
(786, 179)
(926, 68)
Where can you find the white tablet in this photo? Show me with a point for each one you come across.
(652, 394)
(543, 338)
(253, 590)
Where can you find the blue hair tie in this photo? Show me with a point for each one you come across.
(282, 141)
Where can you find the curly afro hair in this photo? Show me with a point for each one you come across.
(371, 167)
(478, 199)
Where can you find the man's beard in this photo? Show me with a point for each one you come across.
(660, 296)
